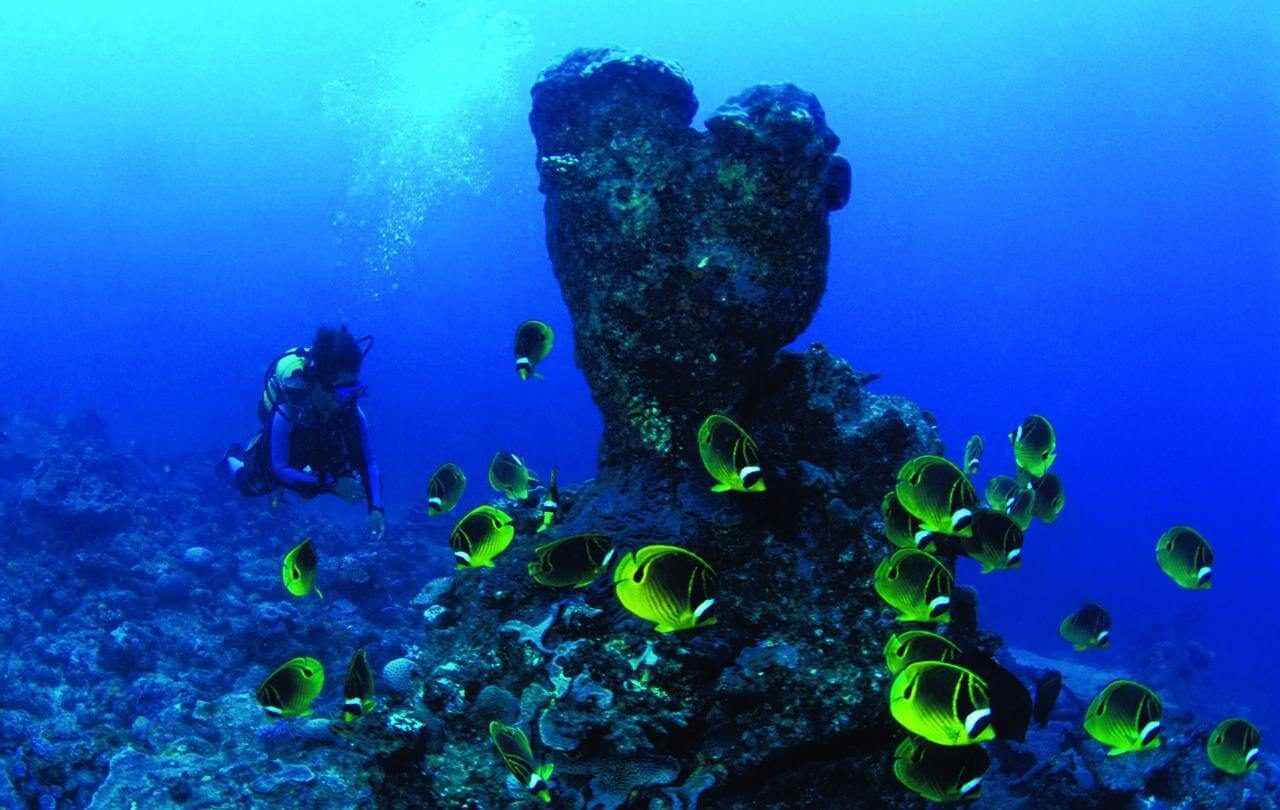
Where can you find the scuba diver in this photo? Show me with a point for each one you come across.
(314, 438)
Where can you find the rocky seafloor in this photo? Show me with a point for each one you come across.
(143, 604)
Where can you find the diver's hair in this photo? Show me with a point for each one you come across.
(335, 351)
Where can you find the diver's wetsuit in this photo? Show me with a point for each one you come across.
(282, 456)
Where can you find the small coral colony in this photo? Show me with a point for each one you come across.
(950, 700)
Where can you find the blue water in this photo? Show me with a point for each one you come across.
(1070, 209)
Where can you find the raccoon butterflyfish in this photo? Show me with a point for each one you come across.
(550, 504)
(1233, 746)
(906, 648)
(357, 689)
(730, 456)
(1020, 509)
(1001, 489)
(482, 534)
(1010, 699)
(1048, 687)
(509, 475)
(937, 492)
(1050, 498)
(995, 541)
(1186, 557)
(900, 526)
(917, 584)
(1034, 445)
(943, 703)
(292, 688)
(669, 586)
(445, 489)
(941, 773)
(534, 340)
(573, 561)
(973, 455)
(299, 570)
(1125, 716)
(1089, 628)
(513, 747)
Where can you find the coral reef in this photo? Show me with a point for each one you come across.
(144, 602)
(143, 605)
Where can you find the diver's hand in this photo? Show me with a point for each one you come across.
(349, 490)
(377, 524)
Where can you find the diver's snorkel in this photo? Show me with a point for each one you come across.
(348, 394)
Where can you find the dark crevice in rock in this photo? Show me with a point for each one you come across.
(814, 772)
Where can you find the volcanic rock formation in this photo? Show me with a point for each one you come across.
(687, 258)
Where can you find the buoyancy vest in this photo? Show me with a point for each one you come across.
(285, 386)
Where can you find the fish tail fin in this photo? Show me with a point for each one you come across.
(347, 716)
(543, 795)
(757, 487)
(721, 488)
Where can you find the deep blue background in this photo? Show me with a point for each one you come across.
(1071, 211)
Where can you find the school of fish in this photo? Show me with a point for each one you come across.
(949, 700)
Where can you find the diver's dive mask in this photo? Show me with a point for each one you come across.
(347, 395)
